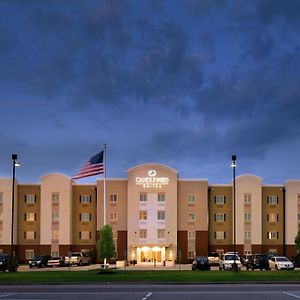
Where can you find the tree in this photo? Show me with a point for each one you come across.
(297, 240)
(106, 244)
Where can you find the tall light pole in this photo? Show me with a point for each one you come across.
(12, 268)
(233, 165)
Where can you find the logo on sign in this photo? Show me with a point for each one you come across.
(152, 181)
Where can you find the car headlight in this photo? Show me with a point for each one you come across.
(1, 262)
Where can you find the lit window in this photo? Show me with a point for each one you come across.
(85, 235)
(143, 197)
(191, 254)
(247, 235)
(272, 217)
(29, 253)
(55, 234)
(247, 198)
(161, 233)
(143, 215)
(161, 215)
(191, 234)
(220, 217)
(220, 235)
(54, 253)
(192, 216)
(273, 235)
(143, 233)
(161, 197)
(113, 216)
(272, 200)
(29, 217)
(85, 217)
(220, 199)
(30, 198)
(55, 197)
(113, 198)
(191, 199)
(247, 217)
(85, 199)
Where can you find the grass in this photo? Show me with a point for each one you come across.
(148, 276)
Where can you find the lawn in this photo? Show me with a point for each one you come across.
(148, 276)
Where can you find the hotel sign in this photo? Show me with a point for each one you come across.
(152, 181)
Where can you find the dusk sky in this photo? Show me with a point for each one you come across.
(186, 83)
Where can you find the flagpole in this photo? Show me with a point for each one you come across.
(104, 188)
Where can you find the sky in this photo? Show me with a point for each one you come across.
(185, 83)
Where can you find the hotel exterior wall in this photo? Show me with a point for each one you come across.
(226, 208)
(270, 226)
(79, 208)
(134, 206)
(23, 208)
(251, 185)
(61, 184)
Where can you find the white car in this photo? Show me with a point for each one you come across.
(227, 261)
(280, 263)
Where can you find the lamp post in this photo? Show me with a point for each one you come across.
(233, 165)
(12, 268)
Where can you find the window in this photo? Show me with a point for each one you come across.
(161, 215)
(219, 235)
(143, 215)
(191, 199)
(85, 235)
(247, 235)
(29, 217)
(191, 254)
(299, 200)
(192, 216)
(55, 216)
(54, 253)
(247, 198)
(143, 233)
(161, 233)
(113, 198)
(220, 217)
(161, 197)
(30, 198)
(143, 197)
(29, 235)
(272, 217)
(272, 200)
(220, 199)
(55, 197)
(29, 253)
(84, 199)
(191, 234)
(247, 217)
(85, 217)
(113, 216)
(55, 234)
(298, 217)
(273, 235)
(1, 198)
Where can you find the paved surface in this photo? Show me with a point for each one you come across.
(152, 292)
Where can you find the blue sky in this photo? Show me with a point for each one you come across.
(186, 83)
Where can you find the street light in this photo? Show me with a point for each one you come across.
(12, 268)
(233, 165)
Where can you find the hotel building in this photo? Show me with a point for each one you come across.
(155, 215)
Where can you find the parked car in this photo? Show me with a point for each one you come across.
(39, 261)
(227, 262)
(258, 261)
(201, 263)
(296, 261)
(6, 261)
(213, 258)
(78, 258)
(281, 263)
(57, 261)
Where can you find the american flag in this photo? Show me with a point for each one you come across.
(93, 166)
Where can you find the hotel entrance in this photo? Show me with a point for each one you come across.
(151, 255)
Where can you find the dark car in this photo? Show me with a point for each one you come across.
(6, 263)
(258, 261)
(296, 261)
(39, 261)
(201, 263)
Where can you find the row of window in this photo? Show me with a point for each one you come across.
(221, 235)
(55, 216)
(32, 235)
(161, 233)
(272, 200)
